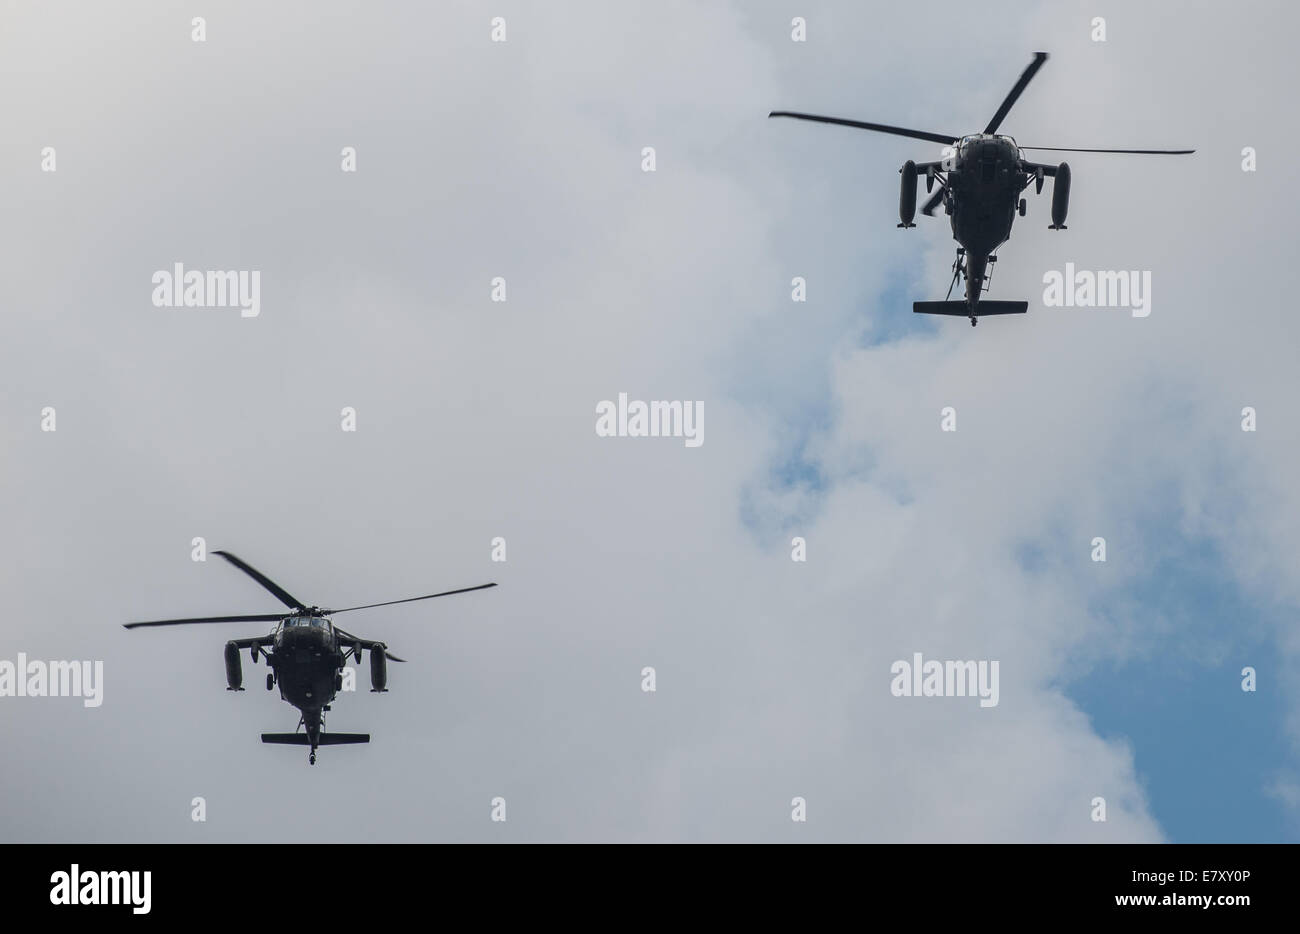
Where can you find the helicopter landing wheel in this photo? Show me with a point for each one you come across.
(311, 760)
(270, 681)
(973, 320)
(1022, 207)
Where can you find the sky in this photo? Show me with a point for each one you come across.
(475, 420)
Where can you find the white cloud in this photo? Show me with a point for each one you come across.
(477, 420)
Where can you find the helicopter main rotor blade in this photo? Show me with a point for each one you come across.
(930, 205)
(878, 127)
(956, 271)
(259, 618)
(445, 593)
(281, 594)
(351, 638)
(1014, 94)
(1141, 152)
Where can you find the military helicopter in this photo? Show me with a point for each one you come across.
(306, 653)
(980, 180)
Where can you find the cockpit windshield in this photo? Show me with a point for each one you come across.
(306, 622)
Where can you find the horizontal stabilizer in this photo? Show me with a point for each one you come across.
(325, 739)
(343, 739)
(287, 739)
(962, 310)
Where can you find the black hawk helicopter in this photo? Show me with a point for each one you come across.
(306, 653)
(980, 182)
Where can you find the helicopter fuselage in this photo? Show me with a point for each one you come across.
(985, 179)
(307, 662)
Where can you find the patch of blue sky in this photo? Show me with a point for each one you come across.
(1206, 751)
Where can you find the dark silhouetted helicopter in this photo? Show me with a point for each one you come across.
(306, 653)
(980, 181)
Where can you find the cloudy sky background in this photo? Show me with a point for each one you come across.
(476, 418)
